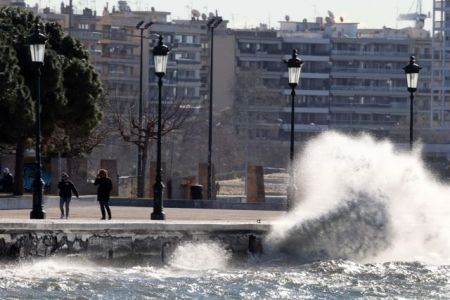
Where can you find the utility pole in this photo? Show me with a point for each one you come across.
(140, 167)
(212, 24)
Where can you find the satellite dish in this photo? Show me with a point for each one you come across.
(195, 13)
(287, 18)
(211, 15)
(204, 17)
(152, 9)
(331, 15)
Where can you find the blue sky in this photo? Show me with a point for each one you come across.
(246, 13)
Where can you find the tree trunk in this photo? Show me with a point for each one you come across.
(18, 174)
(141, 192)
(69, 163)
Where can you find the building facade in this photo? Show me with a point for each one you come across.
(352, 80)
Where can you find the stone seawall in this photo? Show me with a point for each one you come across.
(112, 239)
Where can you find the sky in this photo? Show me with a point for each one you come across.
(250, 13)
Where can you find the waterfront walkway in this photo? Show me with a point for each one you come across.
(140, 213)
(89, 210)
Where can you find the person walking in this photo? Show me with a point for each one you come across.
(104, 189)
(66, 187)
(7, 182)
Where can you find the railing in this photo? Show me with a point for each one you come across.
(377, 71)
(370, 53)
(107, 54)
(367, 124)
(189, 79)
(187, 62)
(368, 88)
(187, 45)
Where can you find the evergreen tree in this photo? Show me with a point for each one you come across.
(71, 91)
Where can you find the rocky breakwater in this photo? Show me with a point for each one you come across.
(122, 239)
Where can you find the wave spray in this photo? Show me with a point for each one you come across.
(364, 200)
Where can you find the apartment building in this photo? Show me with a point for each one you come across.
(368, 88)
(352, 81)
(114, 44)
(439, 103)
(352, 78)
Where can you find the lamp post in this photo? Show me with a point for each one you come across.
(212, 24)
(294, 65)
(412, 78)
(160, 53)
(140, 168)
(37, 48)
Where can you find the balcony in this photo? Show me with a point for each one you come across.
(381, 55)
(305, 127)
(368, 88)
(366, 125)
(187, 62)
(392, 109)
(303, 92)
(374, 71)
(188, 79)
(186, 45)
(442, 5)
(86, 35)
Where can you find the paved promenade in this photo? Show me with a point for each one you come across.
(139, 213)
(89, 209)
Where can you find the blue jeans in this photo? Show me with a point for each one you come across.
(62, 201)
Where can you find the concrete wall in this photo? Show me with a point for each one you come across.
(122, 240)
(224, 71)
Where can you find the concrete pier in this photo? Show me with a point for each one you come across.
(21, 238)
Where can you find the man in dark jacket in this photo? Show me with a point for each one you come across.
(103, 191)
(7, 182)
(66, 187)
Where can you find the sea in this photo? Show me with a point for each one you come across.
(371, 221)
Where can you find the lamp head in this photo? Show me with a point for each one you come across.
(146, 26)
(412, 74)
(160, 53)
(138, 25)
(294, 65)
(37, 41)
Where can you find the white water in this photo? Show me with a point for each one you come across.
(200, 256)
(364, 200)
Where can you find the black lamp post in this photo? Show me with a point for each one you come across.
(140, 169)
(212, 24)
(37, 48)
(294, 65)
(160, 53)
(412, 78)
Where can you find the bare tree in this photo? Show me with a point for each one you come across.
(173, 116)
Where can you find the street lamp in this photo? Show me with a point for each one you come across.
(212, 24)
(37, 48)
(160, 53)
(294, 65)
(140, 167)
(412, 78)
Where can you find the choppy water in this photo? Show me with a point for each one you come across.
(369, 222)
(69, 279)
